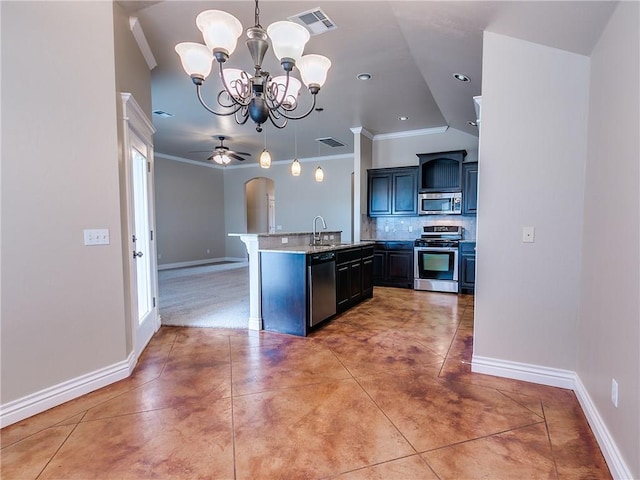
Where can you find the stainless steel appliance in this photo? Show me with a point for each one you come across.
(436, 258)
(322, 287)
(449, 203)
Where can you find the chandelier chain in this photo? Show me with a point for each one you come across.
(257, 15)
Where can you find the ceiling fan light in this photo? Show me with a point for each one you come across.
(296, 168)
(288, 39)
(319, 175)
(289, 97)
(219, 29)
(313, 69)
(218, 159)
(265, 159)
(196, 58)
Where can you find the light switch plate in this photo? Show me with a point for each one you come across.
(96, 236)
(528, 234)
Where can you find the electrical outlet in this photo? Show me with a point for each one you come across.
(528, 234)
(208, 251)
(284, 240)
(614, 392)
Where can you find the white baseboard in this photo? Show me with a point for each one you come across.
(255, 323)
(617, 465)
(205, 261)
(555, 377)
(38, 402)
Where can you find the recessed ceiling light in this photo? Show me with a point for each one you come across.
(473, 124)
(364, 76)
(403, 118)
(462, 77)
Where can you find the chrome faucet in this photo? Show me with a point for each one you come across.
(316, 236)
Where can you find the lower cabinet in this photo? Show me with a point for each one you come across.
(393, 264)
(354, 268)
(467, 267)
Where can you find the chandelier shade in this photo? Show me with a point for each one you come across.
(288, 39)
(196, 58)
(257, 95)
(313, 69)
(220, 30)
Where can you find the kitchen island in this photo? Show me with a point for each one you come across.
(352, 274)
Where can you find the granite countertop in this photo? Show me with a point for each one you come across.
(306, 249)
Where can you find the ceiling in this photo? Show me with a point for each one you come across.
(411, 49)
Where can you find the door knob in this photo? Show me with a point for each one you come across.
(137, 254)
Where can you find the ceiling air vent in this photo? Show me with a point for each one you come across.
(315, 20)
(331, 142)
(162, 113)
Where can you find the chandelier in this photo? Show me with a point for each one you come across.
(260, 96)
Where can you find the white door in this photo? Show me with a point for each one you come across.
(141, 251)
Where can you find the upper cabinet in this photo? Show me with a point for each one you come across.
(393, 191)
(470, 188)
(441, 172)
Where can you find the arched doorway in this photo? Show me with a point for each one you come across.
(259, 195)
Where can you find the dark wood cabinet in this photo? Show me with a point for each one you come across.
(441, 172)
(354, 268)
(393, 191)
(467, 267)
(469, 188)
(393, 264)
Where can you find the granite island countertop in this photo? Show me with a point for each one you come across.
(307, 249)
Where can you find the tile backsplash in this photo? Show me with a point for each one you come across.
(410, 228)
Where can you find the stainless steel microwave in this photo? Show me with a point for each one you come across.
(440, 203)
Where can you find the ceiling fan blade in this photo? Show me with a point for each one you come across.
(240, 153)
(237, 157)
(210, 158)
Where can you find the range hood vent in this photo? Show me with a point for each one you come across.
(330, 142)
(314, 20)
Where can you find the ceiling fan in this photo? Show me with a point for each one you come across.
(222, 155)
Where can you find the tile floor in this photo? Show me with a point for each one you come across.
(383, 391)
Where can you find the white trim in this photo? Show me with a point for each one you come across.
(556, 377)
(613, 456)
(206, 261)
(363, 131)
(553, 377)
(141, 40)
(342, 156)
(50, 397)
(411, 133)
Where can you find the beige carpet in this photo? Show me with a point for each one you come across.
(205, 296)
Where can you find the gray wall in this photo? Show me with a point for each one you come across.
(297, 199)
(609, 327)
(532, 162)
(189, 212)
(63, 311)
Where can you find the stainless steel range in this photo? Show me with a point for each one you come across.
(436, 258)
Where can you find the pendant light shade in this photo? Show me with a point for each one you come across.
(196, 58)
(288, 39)
(219, 29)
(265, 159)
(319, 175)
(313, 69)
(296, 168)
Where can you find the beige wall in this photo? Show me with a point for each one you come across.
(298, 199)
(256, 191)
(62, 302)
(189, 212)
(532, 162)
(609, 326)
(401, 151)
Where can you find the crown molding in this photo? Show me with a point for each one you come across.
(411, 133)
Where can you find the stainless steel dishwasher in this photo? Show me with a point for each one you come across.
(322, 287)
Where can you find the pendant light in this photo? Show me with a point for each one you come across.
(265, 156)
(295, 166)
(319, 175)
